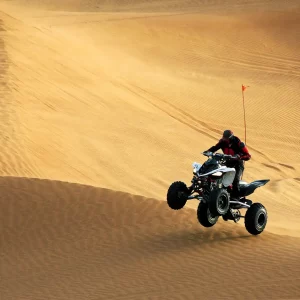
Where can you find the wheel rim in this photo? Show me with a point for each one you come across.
(261, 219)
(222, 203)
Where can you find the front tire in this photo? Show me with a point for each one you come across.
(177, 195)
(219, 202)
(204, 215)
(256, 218)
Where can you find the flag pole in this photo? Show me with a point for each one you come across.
(243, 89)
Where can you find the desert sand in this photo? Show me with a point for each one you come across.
(103, 105)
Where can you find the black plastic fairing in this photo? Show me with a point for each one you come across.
(248, 189)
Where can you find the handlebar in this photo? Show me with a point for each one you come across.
(211, 154)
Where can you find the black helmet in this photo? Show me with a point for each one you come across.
(227, 134)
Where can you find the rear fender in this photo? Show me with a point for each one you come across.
(251, 187)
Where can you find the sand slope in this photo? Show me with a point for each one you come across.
(124, 95)
(68, 241)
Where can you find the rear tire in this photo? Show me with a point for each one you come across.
(256, 218)
(219, 202)
(204, 215)
(177, 195)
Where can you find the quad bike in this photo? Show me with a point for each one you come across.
(212, 186)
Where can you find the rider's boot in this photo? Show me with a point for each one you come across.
(235, 192)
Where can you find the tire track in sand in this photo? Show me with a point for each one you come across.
(183, 117)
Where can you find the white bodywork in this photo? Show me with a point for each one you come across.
(196, 167)
(228, 177)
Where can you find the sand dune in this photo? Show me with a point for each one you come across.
(154, 6)
(69, 241)
(123, 96)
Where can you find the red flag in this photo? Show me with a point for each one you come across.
(244, 87)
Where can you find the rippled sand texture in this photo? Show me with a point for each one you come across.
(103, 105)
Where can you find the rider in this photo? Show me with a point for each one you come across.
(232, 145)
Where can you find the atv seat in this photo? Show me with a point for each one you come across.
(243, 187)
(242, 183)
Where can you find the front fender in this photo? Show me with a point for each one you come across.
(228, 176)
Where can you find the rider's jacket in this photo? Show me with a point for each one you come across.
(232, 147)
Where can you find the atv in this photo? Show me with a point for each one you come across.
(212, 186)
